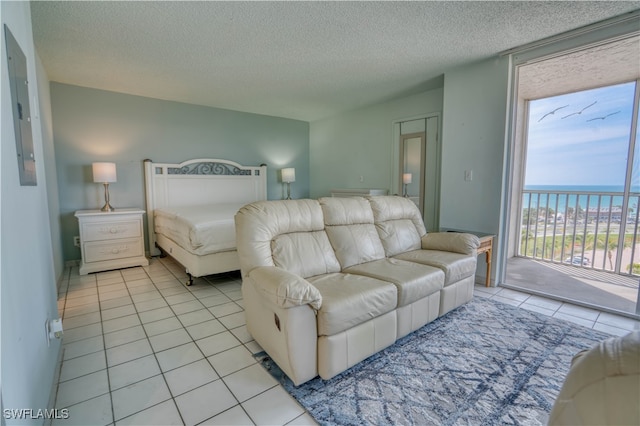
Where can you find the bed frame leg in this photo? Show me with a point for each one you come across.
(190, 281)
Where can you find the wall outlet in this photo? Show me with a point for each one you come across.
(76, 241)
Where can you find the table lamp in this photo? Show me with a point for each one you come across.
(105, 173)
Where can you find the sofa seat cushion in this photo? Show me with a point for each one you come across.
(454, 265)
(413, 280)
(349, 300)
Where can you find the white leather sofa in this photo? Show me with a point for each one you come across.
(602, 386)
(329, 282)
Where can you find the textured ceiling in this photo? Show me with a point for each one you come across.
(301, 60)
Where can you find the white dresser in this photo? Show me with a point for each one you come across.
(358, 192)
(111, 240)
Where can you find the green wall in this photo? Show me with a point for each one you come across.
(473, 138)
(360, 143)
(92, 125)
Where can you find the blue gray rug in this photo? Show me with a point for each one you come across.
(485, 363)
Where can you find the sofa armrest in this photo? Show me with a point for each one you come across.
(284, 288)
(456, 242)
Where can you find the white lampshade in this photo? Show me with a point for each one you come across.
(406, 178)
(104, 172)
(289, 175)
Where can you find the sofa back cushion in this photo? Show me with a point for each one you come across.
(398, 222)
(286, 233)
(351, 231)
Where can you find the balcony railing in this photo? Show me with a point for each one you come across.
(597, 230)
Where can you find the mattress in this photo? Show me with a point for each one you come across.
(200, 230)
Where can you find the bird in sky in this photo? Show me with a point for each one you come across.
(581, 111)
(551, 112)
(602, 118)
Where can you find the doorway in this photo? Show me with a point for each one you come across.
(575, 192)
(416, 165)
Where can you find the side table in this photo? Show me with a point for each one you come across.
(486, 247)
(111, 240)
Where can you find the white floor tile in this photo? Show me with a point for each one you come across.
(186, 307)
(511, 302)
(81, 389)
(128, 352)
(226, 309)
(579, 311)
(205, 402)
(195, 317)
(121, 311)
(162, 326)
(83, 347)
(179, 298)
(178, 356)
(166, 414)
(115, 303)
(618, 321)
(156, 315)
(133, 371)
(190, 376)
(217, 343)
(614, 331)
(149, 305)
(215, 300)
(234, 320)
(139, 396)
(70, 312)
(205, 329)
(232, 360)
(272, 407)
(538, 309)
(81, 320)
(544, 302)
(574, 319)
(249, 382)
(121, 323)
(234, 416)
(95, 411)
(82, 365)
(303, 420)
(122, 337)
(84, 332)
(242, 334)
(174, 338)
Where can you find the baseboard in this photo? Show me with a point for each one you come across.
(71, 263)
(53, 394)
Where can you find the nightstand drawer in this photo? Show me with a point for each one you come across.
(99, 231)
(100, 251)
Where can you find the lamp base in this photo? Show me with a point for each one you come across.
(107, 207)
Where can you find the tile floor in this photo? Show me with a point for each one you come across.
(142, 348)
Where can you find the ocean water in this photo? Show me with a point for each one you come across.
(563, 197)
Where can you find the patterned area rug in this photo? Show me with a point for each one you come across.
(484, 363)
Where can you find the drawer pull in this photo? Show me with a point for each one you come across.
(113, 230)
(114, 250)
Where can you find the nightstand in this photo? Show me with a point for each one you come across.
(111, 240)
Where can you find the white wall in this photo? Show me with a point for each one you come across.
(360, 143)
(473, 138)
(27, 272)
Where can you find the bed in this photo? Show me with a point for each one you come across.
(191, 208)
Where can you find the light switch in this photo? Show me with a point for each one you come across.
(468, 175)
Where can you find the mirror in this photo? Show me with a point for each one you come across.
(412, 159)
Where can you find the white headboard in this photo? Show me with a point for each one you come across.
(201, 181)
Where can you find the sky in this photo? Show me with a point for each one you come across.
(585, 141)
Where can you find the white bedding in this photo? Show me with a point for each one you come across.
(200, 230)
